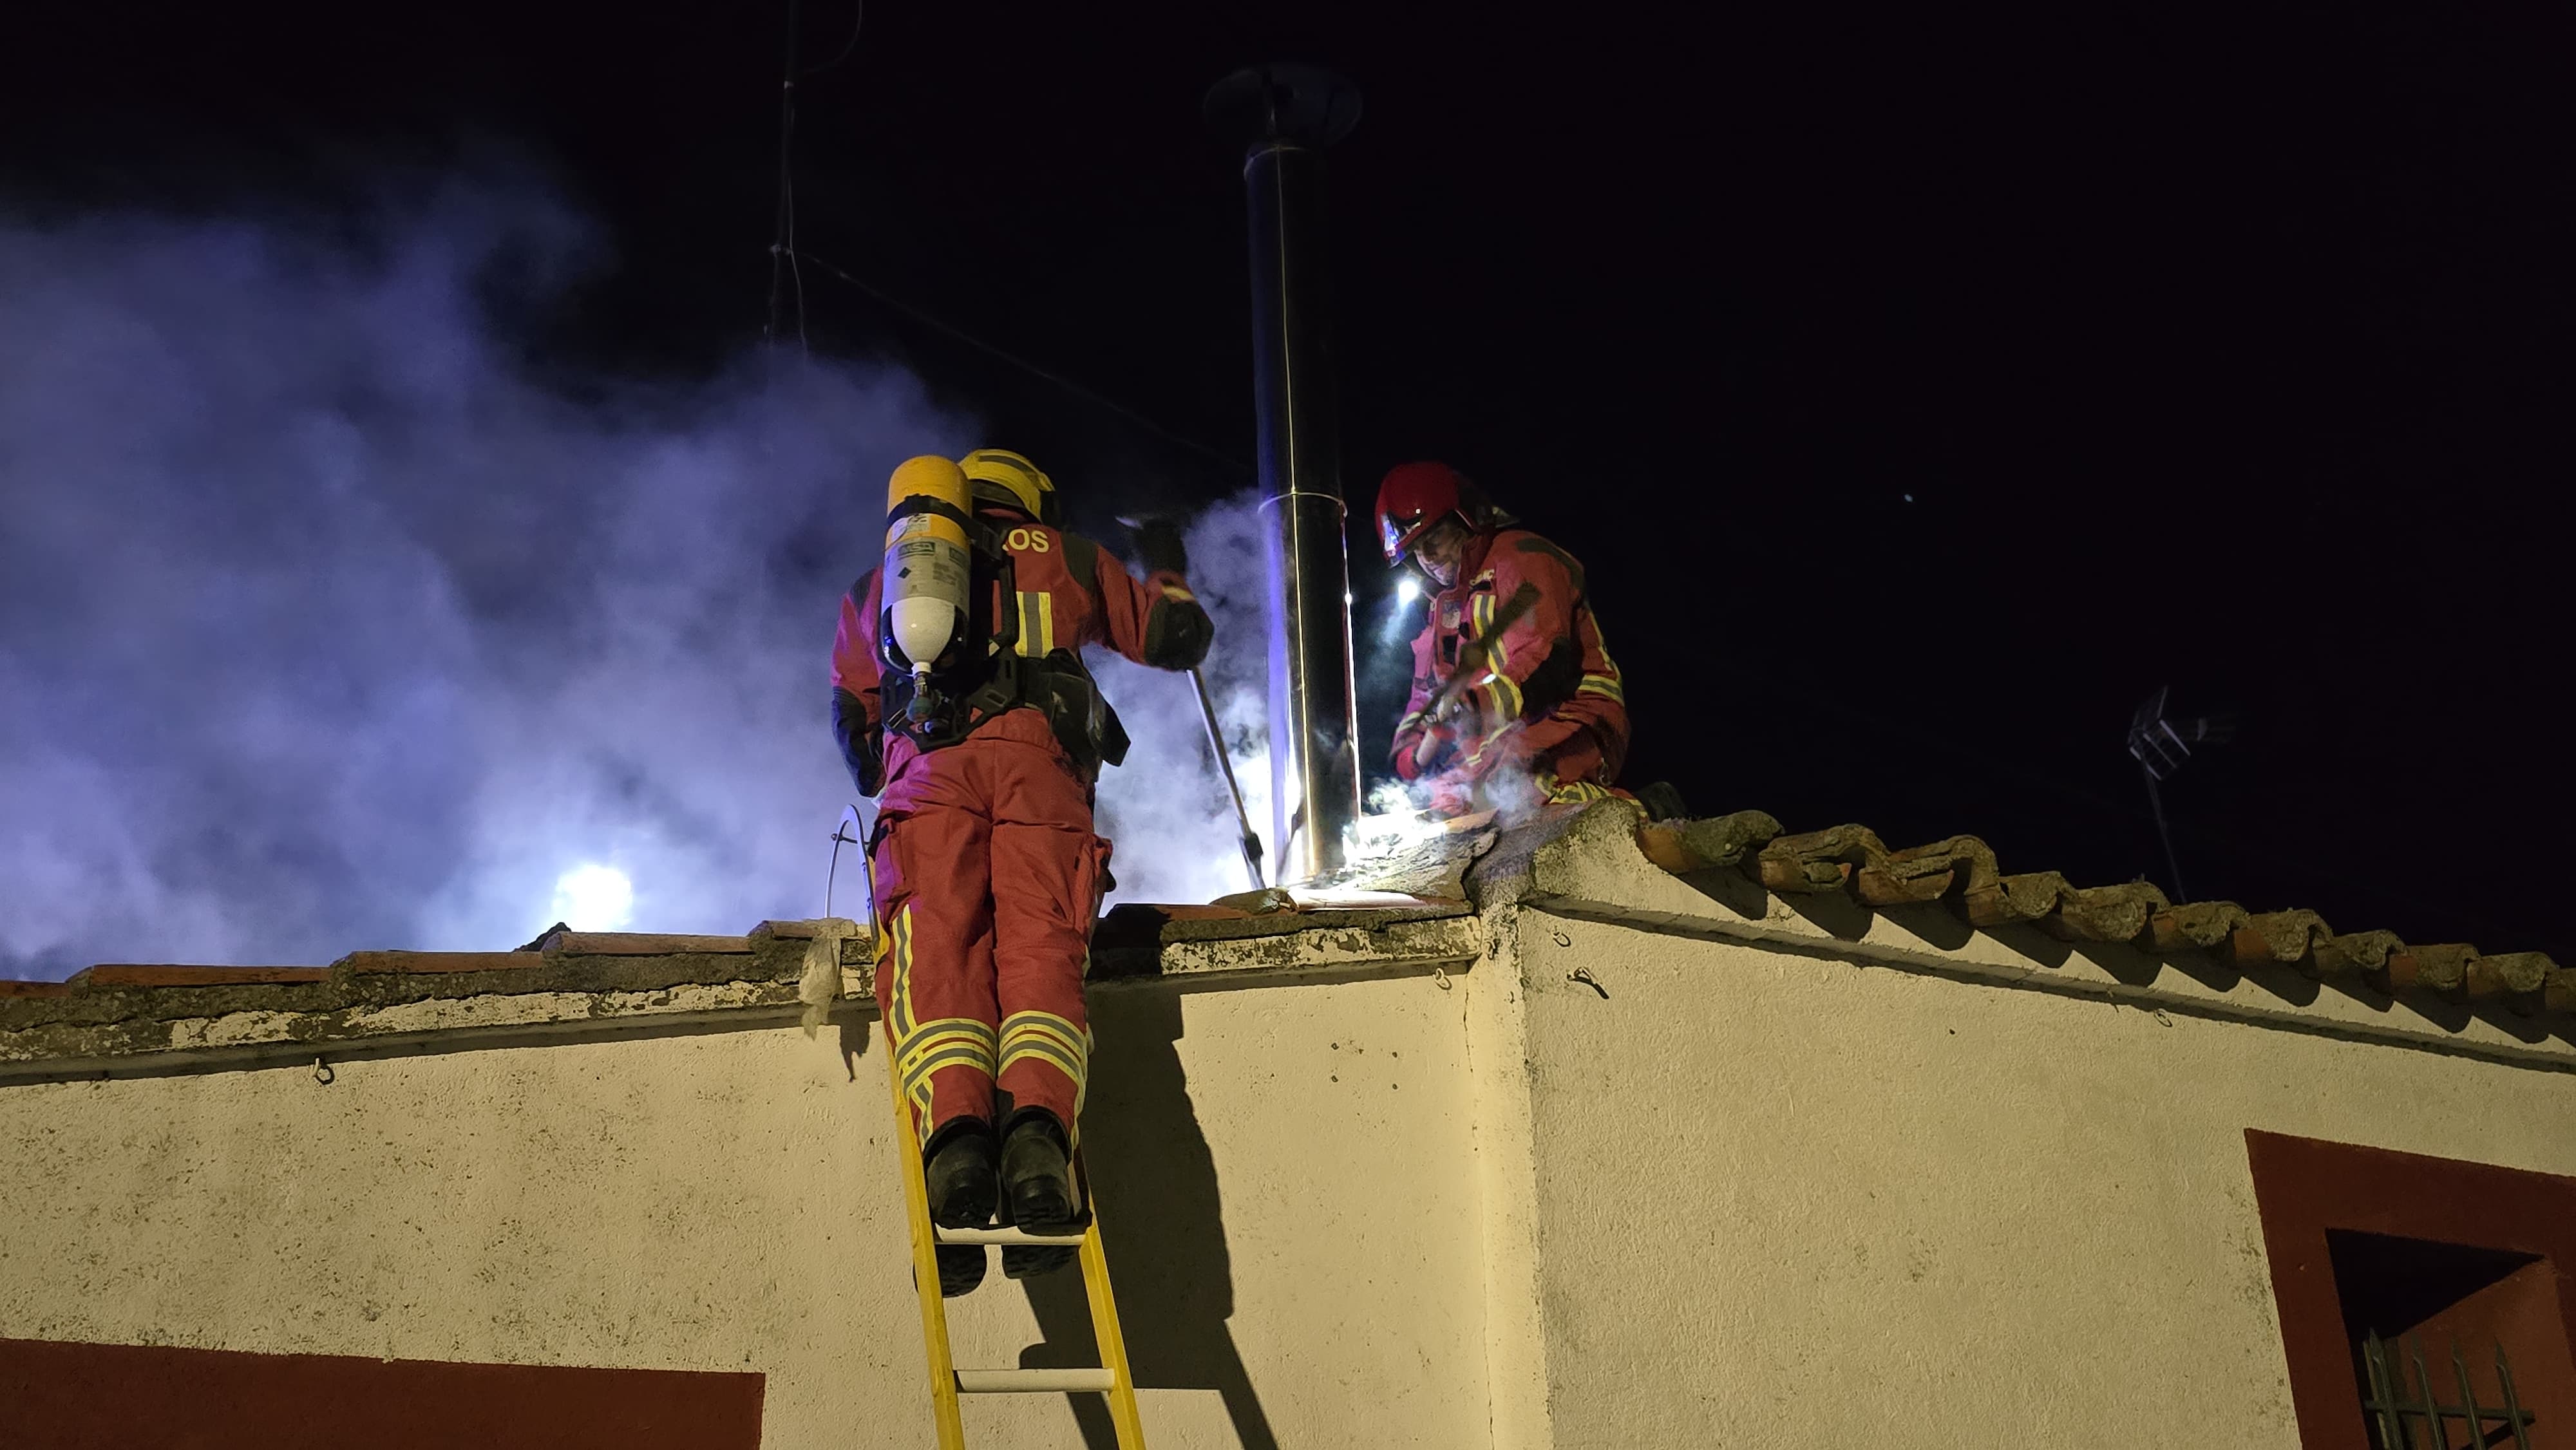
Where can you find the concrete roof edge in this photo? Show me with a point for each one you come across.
(379, 1004)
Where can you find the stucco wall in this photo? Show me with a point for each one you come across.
(1286, 1176)
(1787, 1197)
(1781, 1171)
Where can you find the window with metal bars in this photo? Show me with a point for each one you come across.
(2419, 1297)
(2405, 1400)
(2476, 1306)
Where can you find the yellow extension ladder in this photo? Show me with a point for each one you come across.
(947, 1382)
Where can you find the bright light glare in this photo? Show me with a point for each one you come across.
(1407, 590)
(593, 898)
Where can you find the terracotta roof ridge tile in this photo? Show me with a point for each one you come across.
(1963, 871)
(2518, 979)
(802, 929)
(2195, 925)
(1683, 847)
(2442, 969)
(2105, 913)
(391, 962)
(2024, 897)
(1928, 873)
(642, 944)
(140, 974)
(2361, 953)
(2288, 938)
(1819, 860)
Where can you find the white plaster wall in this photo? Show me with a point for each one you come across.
(1787, 1199)
(729, 1202)
(1498, 1062)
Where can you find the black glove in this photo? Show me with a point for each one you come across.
(1159, 548)
(862, 749)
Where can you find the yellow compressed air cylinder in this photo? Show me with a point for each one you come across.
(928, 575)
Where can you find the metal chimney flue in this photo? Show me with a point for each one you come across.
(1286, 115)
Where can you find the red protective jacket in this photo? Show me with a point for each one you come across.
(1072, 593)
(1548, 703)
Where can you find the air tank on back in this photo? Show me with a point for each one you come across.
(927, 594)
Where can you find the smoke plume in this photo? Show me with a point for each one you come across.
(325, 625)
(1167, 809)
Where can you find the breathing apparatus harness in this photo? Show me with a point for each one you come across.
(966, 687)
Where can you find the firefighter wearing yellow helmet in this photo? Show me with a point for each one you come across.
(988, 873)
(1006, 480)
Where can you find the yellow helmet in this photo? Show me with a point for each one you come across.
(1003, 477)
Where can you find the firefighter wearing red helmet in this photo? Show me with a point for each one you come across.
(1515, 700)
(987, 872)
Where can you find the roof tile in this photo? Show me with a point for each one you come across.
(1927, 873)
(1819, 860)
(2287, 938)
(2442, 969)
(2362, 953)
(2026, 897)
(2515, 978)
(640, 944)
(368, 964)
(2105, 913)
(13, 987)
(1683, 847)
(1963, 871)
(802, 930)
(2195, 925)
(127, 974)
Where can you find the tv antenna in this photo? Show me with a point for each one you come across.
(2160, 747)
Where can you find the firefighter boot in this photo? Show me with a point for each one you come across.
(1037, 1179)
(959, 1172)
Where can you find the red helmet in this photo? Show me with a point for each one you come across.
(1415, 496)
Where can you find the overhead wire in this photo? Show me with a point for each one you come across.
(858, 16)
(1088, 395)
(783, 269)
(786, 259)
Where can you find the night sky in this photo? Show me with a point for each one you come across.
(1923, 388)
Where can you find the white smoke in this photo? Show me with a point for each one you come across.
(323, 625)
(1167, 809)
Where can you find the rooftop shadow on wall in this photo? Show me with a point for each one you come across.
(1162, 1227)
(1731, 889)
(1830, 912)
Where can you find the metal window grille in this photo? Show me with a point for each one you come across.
(2400, 1401)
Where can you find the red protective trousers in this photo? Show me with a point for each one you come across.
(987, 880)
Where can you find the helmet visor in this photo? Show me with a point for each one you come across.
(1397, 536)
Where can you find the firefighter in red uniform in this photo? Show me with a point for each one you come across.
(1515, 701)
(988, 874)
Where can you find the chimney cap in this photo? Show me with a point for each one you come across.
(1284, 101)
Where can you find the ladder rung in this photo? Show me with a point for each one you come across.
(1005, 1236)
(1034, 1381)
